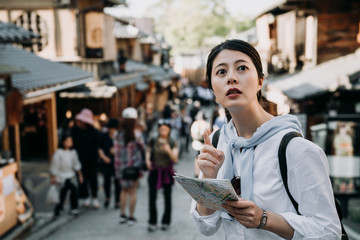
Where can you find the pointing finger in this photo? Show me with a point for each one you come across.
(207, 138)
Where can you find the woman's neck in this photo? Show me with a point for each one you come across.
(247, 121)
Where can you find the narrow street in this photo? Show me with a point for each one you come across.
(104, 223)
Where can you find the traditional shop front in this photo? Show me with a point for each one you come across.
(327, 98)
(31, 118)
(14, 205)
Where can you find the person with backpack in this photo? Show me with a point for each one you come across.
(247, 149)
(129, 151)
(162, 154)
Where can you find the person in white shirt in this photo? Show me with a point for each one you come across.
(248, 147)
(64, 166)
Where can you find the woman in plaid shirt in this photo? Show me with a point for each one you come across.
(129, 151)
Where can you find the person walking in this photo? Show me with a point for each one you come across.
(128, 159)
(106, 154)
(86, 142)
(162, 154)
(197, 130)
(184, 129)
(247, 148)
(64, 166)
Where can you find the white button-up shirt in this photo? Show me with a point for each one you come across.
(309, 184)
(64, 164)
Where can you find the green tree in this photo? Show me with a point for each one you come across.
(185, 24)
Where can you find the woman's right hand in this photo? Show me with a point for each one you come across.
(210, 159)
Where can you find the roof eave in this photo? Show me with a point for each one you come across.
(59, 87)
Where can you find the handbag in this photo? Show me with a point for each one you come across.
(52, 196)
(130, 173)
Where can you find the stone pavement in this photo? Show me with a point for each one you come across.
(104, 223)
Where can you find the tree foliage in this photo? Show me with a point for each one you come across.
(185, 24)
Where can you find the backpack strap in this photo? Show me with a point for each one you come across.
(215, 138)
(283, 165)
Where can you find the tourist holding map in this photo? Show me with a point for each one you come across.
(248, 147)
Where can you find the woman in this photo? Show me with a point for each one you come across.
(86, 142)
(248, 146)
(161, 155)
(128, 156)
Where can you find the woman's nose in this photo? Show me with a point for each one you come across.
(232, 79)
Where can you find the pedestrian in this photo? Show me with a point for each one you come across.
(86, 143)
(220, 120)
(161, 156)
(66, 128)
(194, 110)
(128, 159)
(64, 166)
(247, 147)
(197, 130)
(106, 154)
(184, 129)
(122, 59)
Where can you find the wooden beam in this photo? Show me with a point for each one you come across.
(5, 139)
(38, 99)
(51, 125)
(17, 148)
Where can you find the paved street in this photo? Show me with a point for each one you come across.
(104, 223)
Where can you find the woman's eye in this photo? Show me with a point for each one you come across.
(242, 68)
(221, 72)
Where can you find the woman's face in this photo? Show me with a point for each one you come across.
(234, 79)
(164, 131)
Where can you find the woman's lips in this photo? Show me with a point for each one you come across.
(232, 91)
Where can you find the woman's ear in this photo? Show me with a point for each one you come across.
(261, 80)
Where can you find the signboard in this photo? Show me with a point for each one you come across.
(343, 151)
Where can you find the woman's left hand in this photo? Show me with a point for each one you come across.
(246, 212)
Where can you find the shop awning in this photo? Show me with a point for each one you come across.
(325, 77)
(133, 66)
(94, 89)
(158, 73)
(142, 86)
(126, 79)
(43, 76)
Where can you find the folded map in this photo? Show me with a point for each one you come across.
(209, 193)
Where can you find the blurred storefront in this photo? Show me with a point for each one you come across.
(29, 130)
(14, 205)
(327, 97)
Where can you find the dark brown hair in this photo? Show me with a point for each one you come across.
(246, 48)
(128, 126)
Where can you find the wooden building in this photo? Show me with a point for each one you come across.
(297, 40)
(300, 34)
(310, 50)
(37, 118)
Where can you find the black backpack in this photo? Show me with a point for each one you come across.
(283, 169)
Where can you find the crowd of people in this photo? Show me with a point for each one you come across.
(121, 152)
